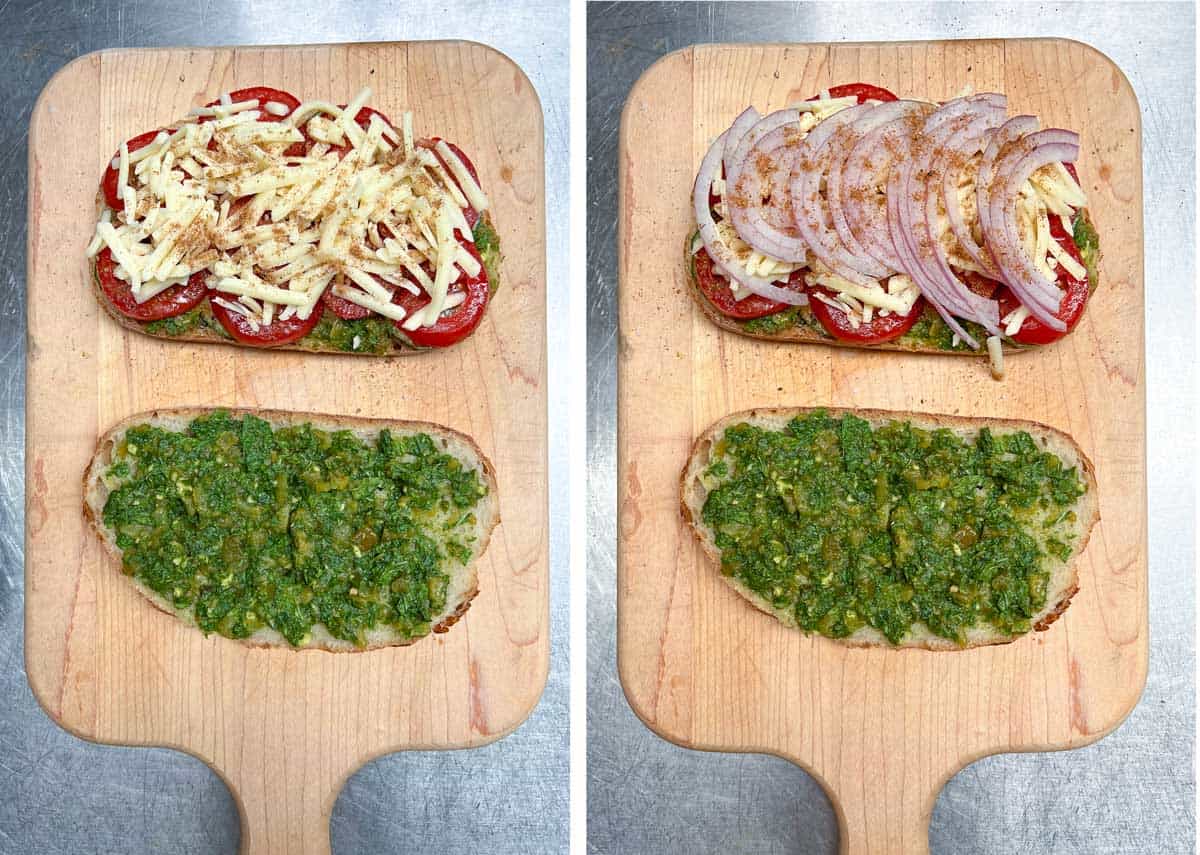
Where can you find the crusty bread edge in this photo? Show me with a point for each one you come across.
(868, 637)
(205, 336)
(95, 493)
(807, 335)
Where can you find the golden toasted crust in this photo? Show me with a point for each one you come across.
(210, 336)
(806, 334)
(1064, 583)
(463, 588)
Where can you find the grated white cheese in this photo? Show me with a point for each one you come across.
(371, 220)
(996, 356)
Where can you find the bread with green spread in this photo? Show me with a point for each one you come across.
(835, 522)
(368, 535)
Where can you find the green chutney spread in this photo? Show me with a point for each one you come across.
(845, 525)
(251, 526)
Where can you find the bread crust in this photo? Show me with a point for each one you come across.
(208, 336)
(808, 335)
(463, 590)
(1064, 583)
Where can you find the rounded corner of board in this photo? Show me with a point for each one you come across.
(81, 66)
(660, 66)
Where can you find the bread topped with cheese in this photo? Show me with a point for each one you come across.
(266, 221)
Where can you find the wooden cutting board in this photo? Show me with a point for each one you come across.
(284, 729)
(881, 729)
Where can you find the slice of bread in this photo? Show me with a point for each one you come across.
(212, 336)
(804, 333)
(463, 579)
(1064, 581)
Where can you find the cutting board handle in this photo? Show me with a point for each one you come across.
(878, 816)
(282, 811)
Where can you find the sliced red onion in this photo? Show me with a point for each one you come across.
(968, 118)
(754, 163)
(966, 104)
(720, 254)
(743, 123)
(849, 183)
(930, 289)
(959, 152)
(809, 207)
(779, 212)
(965, 149)
(1013, 129)
(868, 166)
(1013, 169)
(1035, 294)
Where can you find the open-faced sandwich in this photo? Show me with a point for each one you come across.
(893, 529)
(265, 221)
(286, 529)
(859, 219)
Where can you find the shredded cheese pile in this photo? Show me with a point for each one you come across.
(194, 200)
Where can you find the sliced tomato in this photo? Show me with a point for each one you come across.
(276, 333)
(363, 120)
(263, 94)
(472, 216)
(174, 301)
(861, 91)
(1074, 300)
(878, 329)
(455, 324)
(716, 289)
(977, 282)
(343, 308)
(109, 182)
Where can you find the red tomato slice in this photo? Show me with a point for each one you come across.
(263, 94)
(879, 329)
(977, 282)
(277, 333)
(716, 289)
(861, 91)
(472, 216)
(343, 308)
(109, 182)
(174, 301)
(363, 120)
(457, 323)
(1074, 300)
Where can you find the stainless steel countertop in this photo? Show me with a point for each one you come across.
(61, 795)
(1132, 792)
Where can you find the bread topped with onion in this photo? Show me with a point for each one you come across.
(860, 219)
(267, 221)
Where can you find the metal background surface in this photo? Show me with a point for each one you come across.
(61, 795)
(1133, 792)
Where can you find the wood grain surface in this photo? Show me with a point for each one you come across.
(882, 730)
(284, 729)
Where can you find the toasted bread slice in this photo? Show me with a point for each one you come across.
(1064, 581)
(463, 579)
(212, 336)
(814, 334)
